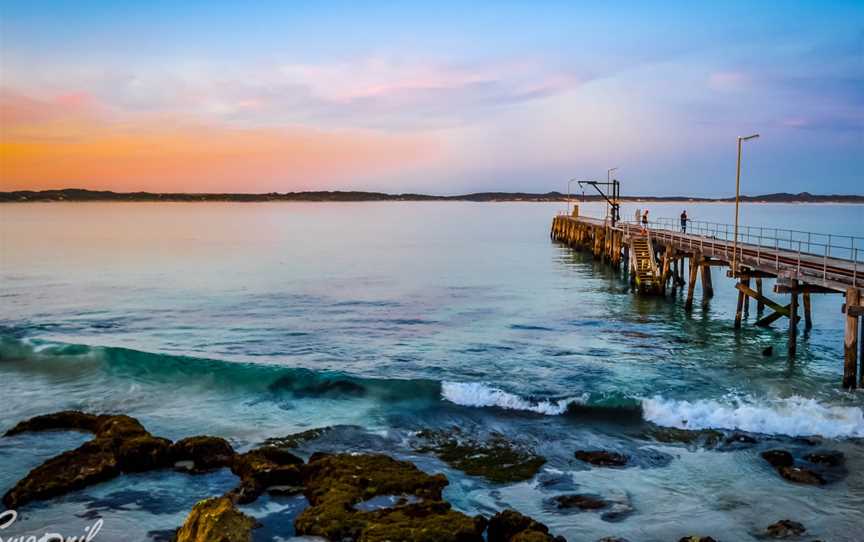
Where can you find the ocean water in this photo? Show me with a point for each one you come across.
(221, 318)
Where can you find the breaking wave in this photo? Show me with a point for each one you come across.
(793, 416)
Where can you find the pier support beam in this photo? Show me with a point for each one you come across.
(707, 286)
(743, 300)
(760, 305)
(808, 320)
(695, 258)
(850, 339)
(793, 319)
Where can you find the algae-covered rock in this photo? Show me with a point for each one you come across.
(496, 458)
(581, 502)
(69, 420)
(697, 539)
(802, 475)
(263, 468)
(511, 526)
(334, 484)
(706, 438)
(142, 453)
(785, 528)
(216, 520)
(91, 463)
(295, 440)
(602, 458)
(831, 458)
(778, 458)
(423, 522)
(207, 453)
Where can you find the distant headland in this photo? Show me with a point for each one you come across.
(77, 194)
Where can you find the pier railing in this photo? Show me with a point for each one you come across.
(822, 245)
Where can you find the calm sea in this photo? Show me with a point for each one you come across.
(220, 318)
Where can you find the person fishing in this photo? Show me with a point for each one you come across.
(684, 221)
(645, 219)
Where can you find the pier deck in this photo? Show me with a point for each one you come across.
(802, 263)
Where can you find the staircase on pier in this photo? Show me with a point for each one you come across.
(643, 265)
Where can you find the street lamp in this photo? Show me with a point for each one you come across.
(570, 182)
(609, 180)
(741, 140)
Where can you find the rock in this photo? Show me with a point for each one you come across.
(582, 502)
(768, 351)
(831, 458)
(511, 526)
(423, 522)
(335, 483)
(612, 539)
(602, 458)
(778, 458)
(120, 427)
(143, 453)
(496, 458)
(216, 520)
(89, 464)
(697, 539)
(263, 468)
(207, 453)
(294, 440)
(707, 438)
(66, 420)
(801, 475)
(785, 529)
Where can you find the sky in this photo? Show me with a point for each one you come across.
(435, 97)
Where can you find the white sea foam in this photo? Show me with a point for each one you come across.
(476, 394)
(793, 416)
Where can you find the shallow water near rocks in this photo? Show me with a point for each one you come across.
(254, 321)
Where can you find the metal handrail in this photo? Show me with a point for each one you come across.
(823, 245)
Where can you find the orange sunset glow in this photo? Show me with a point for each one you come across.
(70, 140)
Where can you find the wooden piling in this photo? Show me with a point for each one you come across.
(808, 321)
(691, 286)
(793, 319)
(743, 299)
(850, 339)
(760, 305)
(707, 286)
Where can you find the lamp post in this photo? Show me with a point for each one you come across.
(741, 139)
(570, 182)
(609, 180)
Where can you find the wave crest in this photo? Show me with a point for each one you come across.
(475, 394)
(793, 416)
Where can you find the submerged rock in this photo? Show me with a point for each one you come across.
(216, 520)
(334, 484)
(785, 528)
(511, 526)
(816, 469)
(497, 459)
(582, 502)
(602, 458)
(802, 475)
(831, 458)
(706, 438)
(295, 440)
(778, 458)
(697, 539)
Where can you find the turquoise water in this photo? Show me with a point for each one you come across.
(225, 319)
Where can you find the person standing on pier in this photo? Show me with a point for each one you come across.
(645, 219)
(684, 221)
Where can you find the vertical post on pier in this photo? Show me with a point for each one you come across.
(793, 318)
(760, 306)
(850, 340)
(695, 259)
(808, 321)
(742, 299)
(707, 287)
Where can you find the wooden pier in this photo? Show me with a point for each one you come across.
(803, 264)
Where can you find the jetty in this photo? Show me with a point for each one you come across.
(661, 257)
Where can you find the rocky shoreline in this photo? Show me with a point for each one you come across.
(367, 497)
